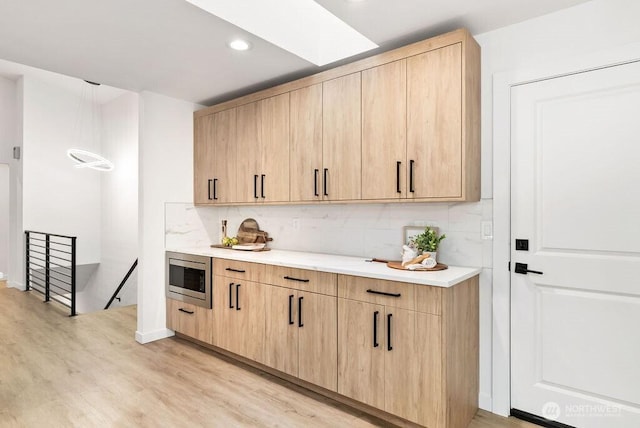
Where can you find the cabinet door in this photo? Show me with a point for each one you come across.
(361, 353)
(318, 339)
(413, 366)
(341, 145)
(281, 336)
(306, 144)
(190, 320)
(248, 328)
(249, 155)
(203, 164)
(384, 126)
(224, 313)
(274, 149)
(224, 160)
(434, 123)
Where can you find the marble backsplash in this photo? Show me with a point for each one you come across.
(364, 230)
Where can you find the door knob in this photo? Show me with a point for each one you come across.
(523, 268)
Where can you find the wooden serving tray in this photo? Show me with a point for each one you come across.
(398, 265)
(229, 248)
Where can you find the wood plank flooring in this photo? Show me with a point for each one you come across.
(88, 371)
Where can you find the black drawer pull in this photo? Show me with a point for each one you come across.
(382, 293)
(231, 295)
(375, 329)
(186, 311)
(398, 165)
(315, 182)
(236, 270)
(209, 182)
(300, 312)
(325, 190)
(290, 278)
(215, 189)
(291, 309)
(262, 186)
(237, 297)
(255, 186)
(411, 163)
(389, 347)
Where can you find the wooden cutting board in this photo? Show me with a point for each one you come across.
(398, 265)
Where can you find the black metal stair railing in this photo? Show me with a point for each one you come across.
(51, 267)
(122, 283)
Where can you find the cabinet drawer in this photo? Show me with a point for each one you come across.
(190, 320)
(239, 270)
(421, 298)
(302, 279)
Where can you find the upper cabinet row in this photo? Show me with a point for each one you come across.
(400, 126)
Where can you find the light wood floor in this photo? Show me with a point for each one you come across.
(88, 371)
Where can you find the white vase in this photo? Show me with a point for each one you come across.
(432, 254)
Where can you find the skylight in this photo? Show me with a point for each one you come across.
(302, 27)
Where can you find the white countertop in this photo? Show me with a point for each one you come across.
(356, 266)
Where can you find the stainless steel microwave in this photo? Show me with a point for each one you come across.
(188, 278)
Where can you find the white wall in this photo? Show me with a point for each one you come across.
(118, 205)
(58, 198)
(165, 175)
(591, 30)
(11, 136)
(4, 219)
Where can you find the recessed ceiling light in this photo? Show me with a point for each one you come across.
(302, 27)
(239, 45)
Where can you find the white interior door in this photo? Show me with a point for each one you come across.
(575, 196)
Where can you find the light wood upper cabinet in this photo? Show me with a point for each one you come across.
(341, 138)
(434, 124)
(400, 126)
(306, 144)
(274, 120)
(384, 126)
(263, 150)
(215, 158)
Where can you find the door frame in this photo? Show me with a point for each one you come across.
(501, 125)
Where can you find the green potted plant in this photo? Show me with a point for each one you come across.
(428, 242)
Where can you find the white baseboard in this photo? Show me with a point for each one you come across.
(152, 336)
(485, 402)
(16, 284)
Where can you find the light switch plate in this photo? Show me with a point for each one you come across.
(487, 230)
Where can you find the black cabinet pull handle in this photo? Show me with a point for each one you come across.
(186, 311)
(237, 297)
(300, 312)
(262, 186)
(324, 182)
(215, 189)
(398, 166)
(290, 278)
(375, 329)
(523, 268)
(209, 189)
(411, 189)
(291, 309)
(231, 295)
(382, 293)
(315, 182)
(389, 347)
(235, 270)
(255, 186)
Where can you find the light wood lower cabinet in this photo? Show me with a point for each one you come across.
(239, 314)
(190, 320)
(408, 350)
(301, 335)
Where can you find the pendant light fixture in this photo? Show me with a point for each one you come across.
(86, 158)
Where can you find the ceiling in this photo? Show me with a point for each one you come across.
(174, 48)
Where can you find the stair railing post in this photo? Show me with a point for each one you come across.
(27, 262)
(47, 269)
(73, 276)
